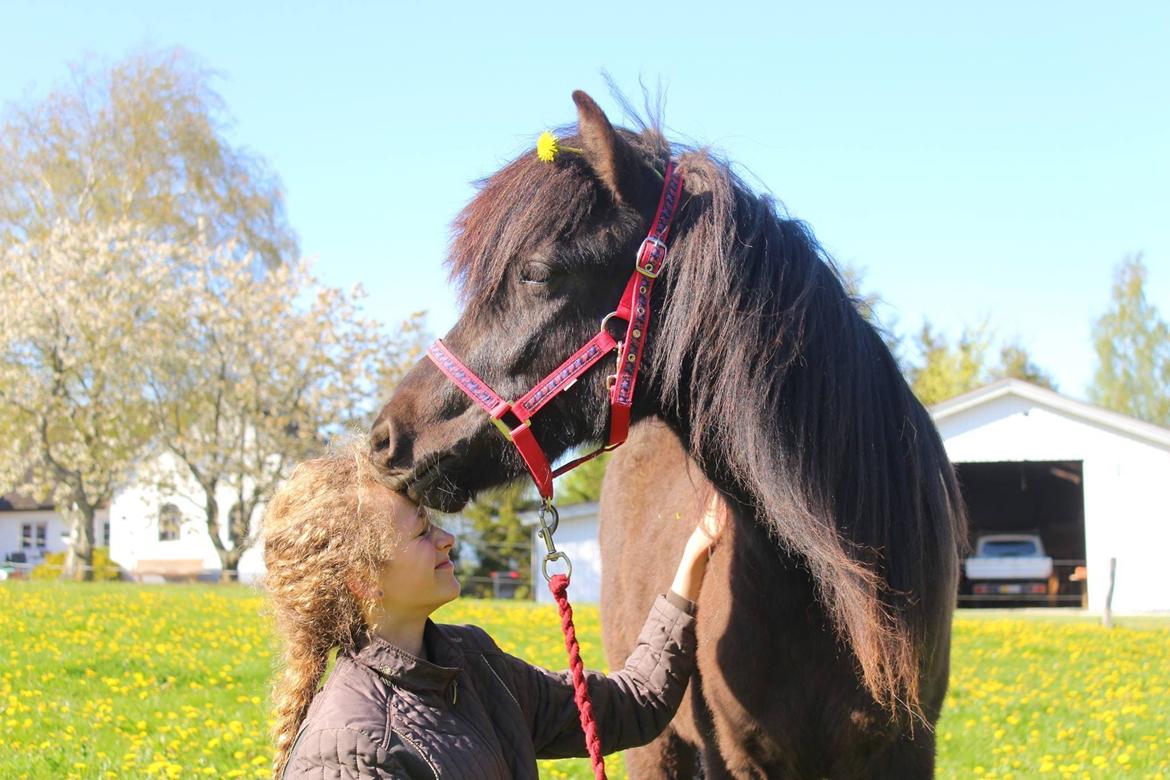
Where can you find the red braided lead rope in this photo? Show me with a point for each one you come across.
(559, 585)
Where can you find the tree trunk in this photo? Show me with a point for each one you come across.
(79, 560)
(237, 532)
(229, 558)
(211, 508)
(230, 565)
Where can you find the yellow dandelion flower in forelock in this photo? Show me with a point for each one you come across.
(546, 147)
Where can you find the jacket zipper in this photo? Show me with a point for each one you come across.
(485, 739)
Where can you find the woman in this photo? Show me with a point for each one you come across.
(356, 567)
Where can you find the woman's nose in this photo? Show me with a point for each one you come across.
(446, 539)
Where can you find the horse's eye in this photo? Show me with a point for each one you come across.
(535, 273)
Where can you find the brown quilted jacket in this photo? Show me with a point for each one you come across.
(473, 712)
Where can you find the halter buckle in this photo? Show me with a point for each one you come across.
(647, 268)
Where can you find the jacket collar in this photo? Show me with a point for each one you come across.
(409, 671)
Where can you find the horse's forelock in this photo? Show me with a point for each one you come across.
(784, 380)
(524, 204)
(515, 209)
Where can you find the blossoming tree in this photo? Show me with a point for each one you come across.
(76, 305)
(257, 371)
(116, 347)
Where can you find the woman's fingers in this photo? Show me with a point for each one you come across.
(714, 519)
(714, 504)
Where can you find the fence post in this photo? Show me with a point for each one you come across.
(1107, 615)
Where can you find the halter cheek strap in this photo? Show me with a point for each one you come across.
(633, 307)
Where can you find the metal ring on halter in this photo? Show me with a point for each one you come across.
(552, 557)
(605, 320)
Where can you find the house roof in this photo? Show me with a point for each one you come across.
(1055, 402)
(22, 502)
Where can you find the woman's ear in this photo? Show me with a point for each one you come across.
(364, 591)
(613, 160)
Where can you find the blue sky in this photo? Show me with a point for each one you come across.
(990, 162)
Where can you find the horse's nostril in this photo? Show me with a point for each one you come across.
(392, 448)
(379, 441)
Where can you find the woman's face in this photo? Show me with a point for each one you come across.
(420, 577)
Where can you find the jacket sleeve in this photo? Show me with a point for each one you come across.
(341, 754)
(632, 706)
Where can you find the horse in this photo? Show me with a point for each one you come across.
(824, 622)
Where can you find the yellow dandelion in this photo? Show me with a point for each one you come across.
(547, 147)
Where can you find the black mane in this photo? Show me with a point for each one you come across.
(843, 462)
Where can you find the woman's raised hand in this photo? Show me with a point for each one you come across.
(703, 539)
(708, 530)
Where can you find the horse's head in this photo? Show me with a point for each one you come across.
(541, 254)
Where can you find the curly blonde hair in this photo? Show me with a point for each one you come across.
(322, 530)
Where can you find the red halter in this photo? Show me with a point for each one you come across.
(634, 308)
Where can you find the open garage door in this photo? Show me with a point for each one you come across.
(1044, 498)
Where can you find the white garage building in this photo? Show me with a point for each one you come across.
(1093, 483)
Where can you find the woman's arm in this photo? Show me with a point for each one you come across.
(632, 706)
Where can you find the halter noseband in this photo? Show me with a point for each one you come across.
(633, 307)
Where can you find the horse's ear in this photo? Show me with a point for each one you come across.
(612, 159)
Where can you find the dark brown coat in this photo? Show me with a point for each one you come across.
(473, 712)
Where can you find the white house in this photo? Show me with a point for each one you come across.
(158, 526)
(29, 529)
(1092, 483)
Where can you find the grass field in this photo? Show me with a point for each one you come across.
(170, 681)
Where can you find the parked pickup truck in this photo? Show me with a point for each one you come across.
(1009, 564)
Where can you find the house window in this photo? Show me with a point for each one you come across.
(169, 521)
(33, 534)
(106, 533)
